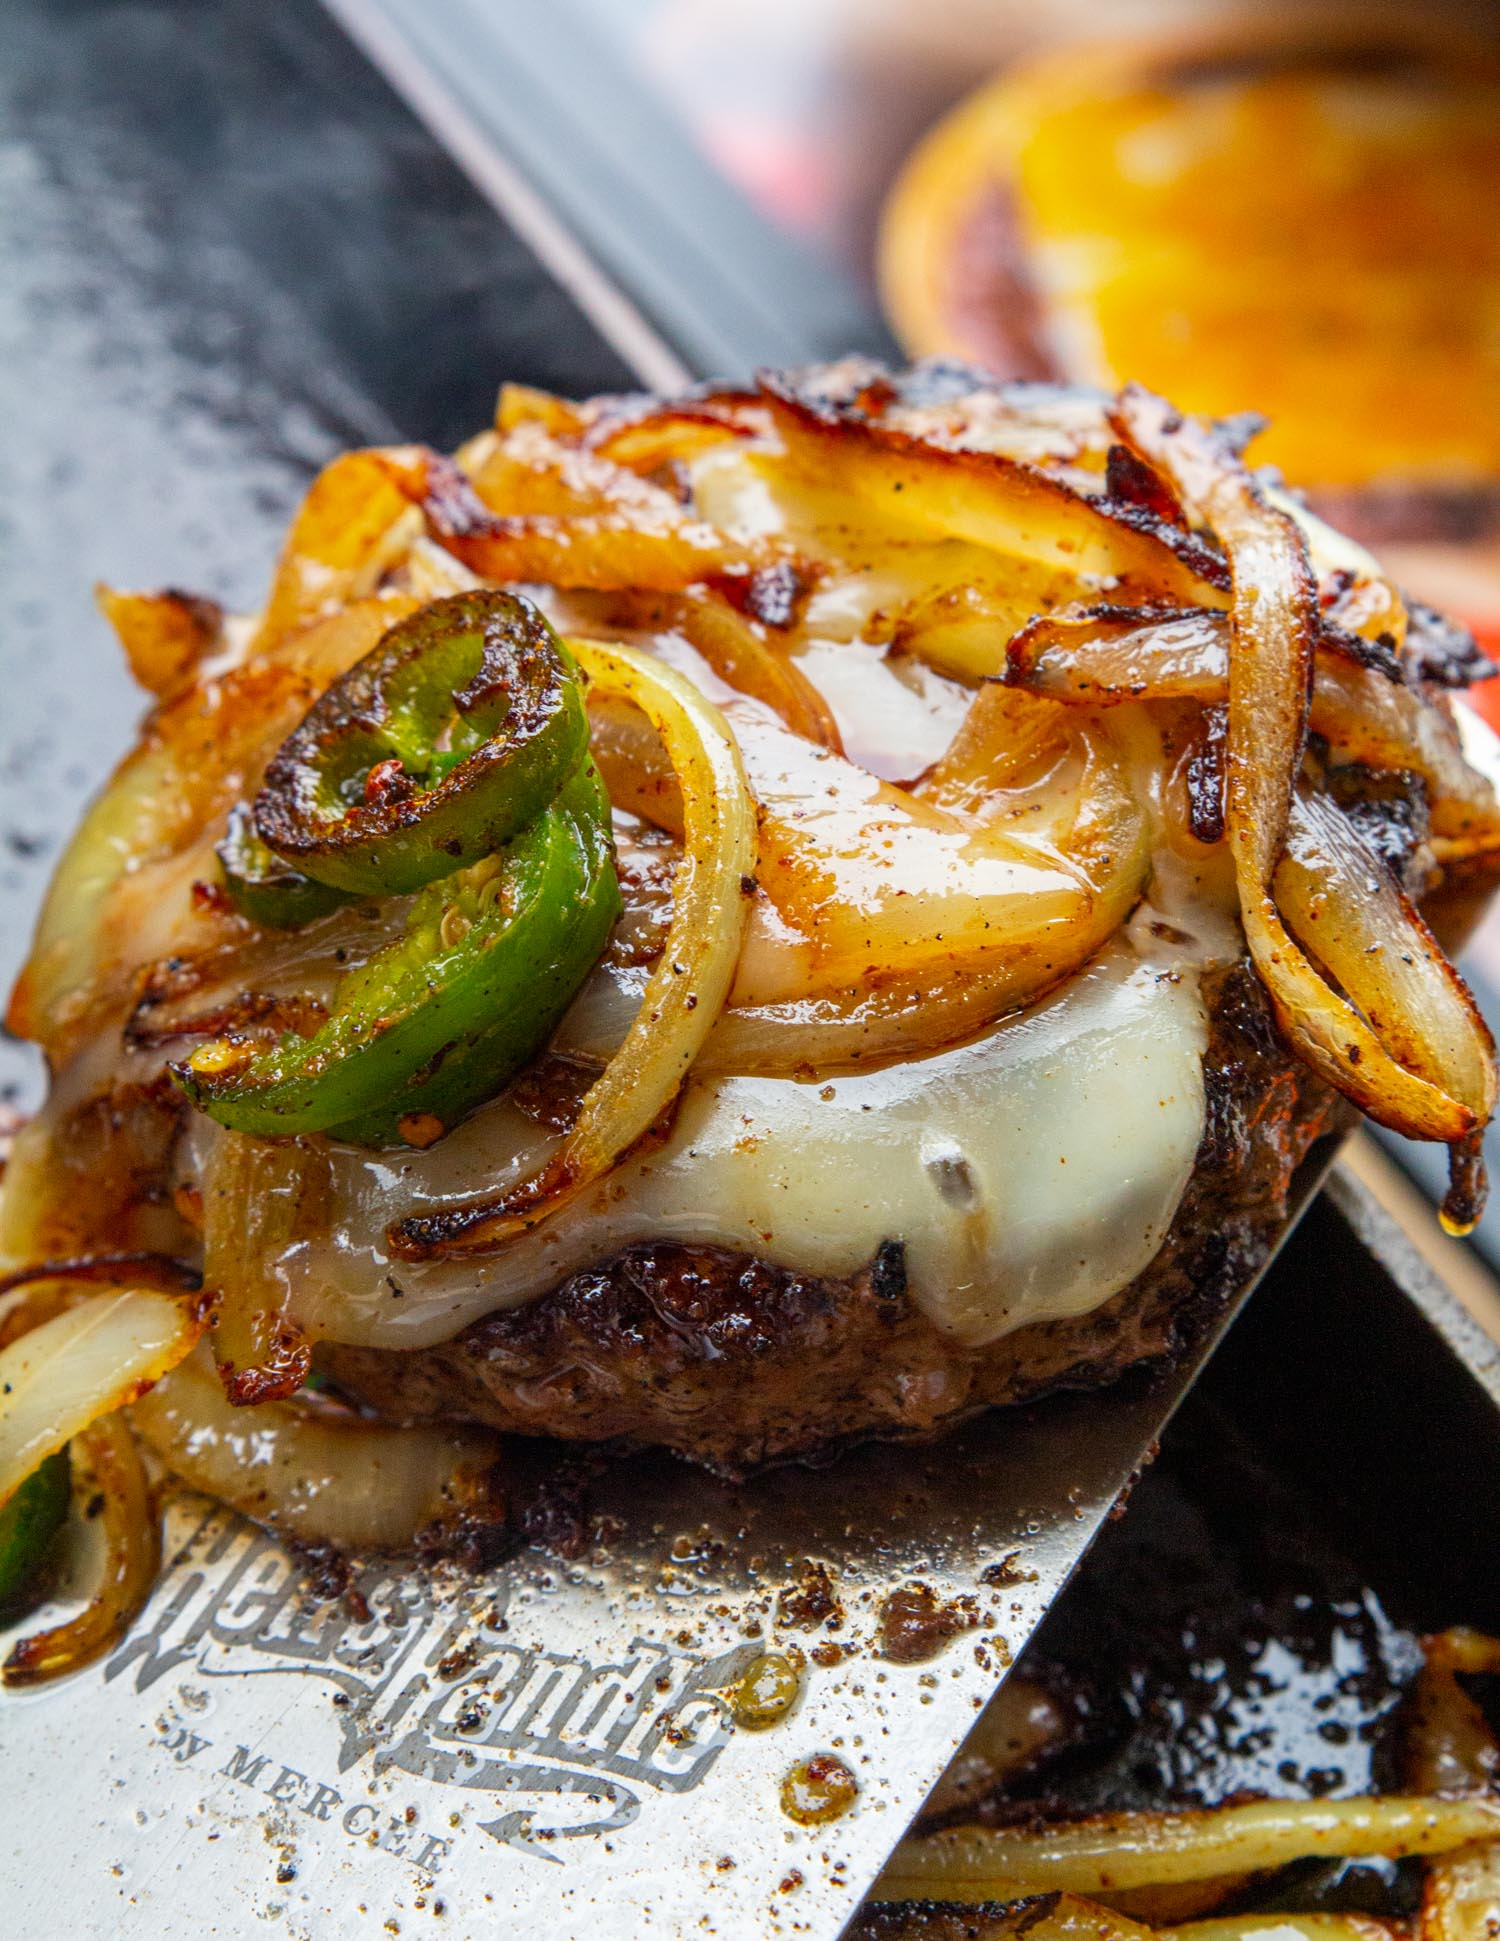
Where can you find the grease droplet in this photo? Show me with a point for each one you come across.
(766, 1691)
(818, 1789)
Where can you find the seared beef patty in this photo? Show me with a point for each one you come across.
(733, 1361)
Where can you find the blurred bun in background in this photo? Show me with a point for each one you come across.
(1298, 211)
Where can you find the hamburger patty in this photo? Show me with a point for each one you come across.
(733, 1361)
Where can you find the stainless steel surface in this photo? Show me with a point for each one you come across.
(543, 108)
(549, 1749)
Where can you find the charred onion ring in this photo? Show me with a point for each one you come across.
(132, 1538)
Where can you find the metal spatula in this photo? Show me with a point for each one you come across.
(559, 1748)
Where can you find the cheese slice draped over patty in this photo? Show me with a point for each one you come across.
(1027, 1175)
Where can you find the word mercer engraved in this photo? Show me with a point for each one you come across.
(655, 1720)
(285, 1786)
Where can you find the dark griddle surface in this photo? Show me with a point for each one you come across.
(1324, 1495)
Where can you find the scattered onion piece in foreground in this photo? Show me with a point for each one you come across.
(83, 1364)
(132, 1538)
(1110, 1853)
(317, 1473)
(1274, 623)
(1450, 1745)
(691, 981)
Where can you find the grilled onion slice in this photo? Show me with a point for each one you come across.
(315, 1472)
(647, 543)
(741, 656)
(1447, 1091)
(1365, 934)
(878, 975)
(165, 635)
(1450, 1746)
(132, 1546)
(948, 931)
(82, 1364)
(1115, 1852)
(1101, 656)
(862, 881)
(353, 522)
(983, 497)
(252, 1217)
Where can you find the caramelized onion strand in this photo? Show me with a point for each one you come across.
(1111, 1852)
(132, 1540)
(664, 550)
(1102, 656)
(1274, 628)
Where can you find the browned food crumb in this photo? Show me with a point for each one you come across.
(915, 1623)
(811, 1601)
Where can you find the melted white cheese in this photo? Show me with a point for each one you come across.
(1028, 1175)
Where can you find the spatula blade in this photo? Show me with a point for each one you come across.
(554, 1748)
